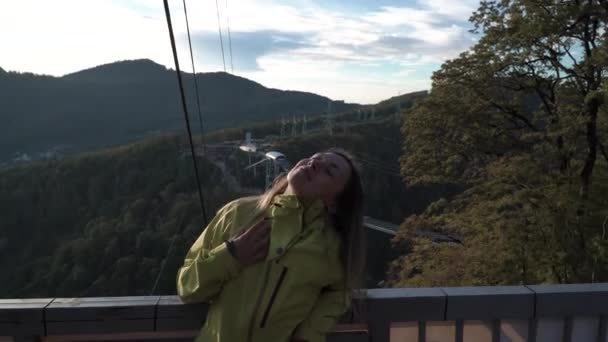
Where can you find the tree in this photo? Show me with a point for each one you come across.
(518, 122)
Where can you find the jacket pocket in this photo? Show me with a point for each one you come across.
(273, 296)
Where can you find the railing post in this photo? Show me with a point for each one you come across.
(386, 306)
(23, 319)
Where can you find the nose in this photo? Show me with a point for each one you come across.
(314, 163)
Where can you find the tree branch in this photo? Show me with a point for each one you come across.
(514, 114)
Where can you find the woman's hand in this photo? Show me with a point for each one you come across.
(251, 245)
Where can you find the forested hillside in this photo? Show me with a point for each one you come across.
(126, 101)
(101, 223)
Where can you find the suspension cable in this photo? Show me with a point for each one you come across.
(185, 108)
(229, 36)
(198, 98)
(219, 29)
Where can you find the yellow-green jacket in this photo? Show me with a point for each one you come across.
(298, 291)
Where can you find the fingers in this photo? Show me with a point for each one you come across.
(254, 242)
(260, 229)
(261, 240)
(261, 251)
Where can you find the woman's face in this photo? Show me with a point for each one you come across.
(324, 176)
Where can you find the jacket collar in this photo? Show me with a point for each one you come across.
(288, 204)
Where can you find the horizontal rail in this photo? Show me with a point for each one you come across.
(542, 312)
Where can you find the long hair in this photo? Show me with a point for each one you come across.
(347, 220)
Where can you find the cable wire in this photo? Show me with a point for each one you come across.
(229, 37)
(198, 99)
(219, 29)
(185, 108)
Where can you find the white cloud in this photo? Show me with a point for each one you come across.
(63, 36)
(58, 38)
(459, 10)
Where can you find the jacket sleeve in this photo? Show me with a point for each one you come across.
(208, 263)
(331, 304)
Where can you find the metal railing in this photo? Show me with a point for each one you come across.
(545, 313)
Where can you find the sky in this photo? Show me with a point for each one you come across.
(361, 51)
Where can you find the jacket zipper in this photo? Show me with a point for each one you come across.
(273, 296)
(258, 302)
(262, 291)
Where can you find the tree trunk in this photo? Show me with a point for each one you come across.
(592, 142)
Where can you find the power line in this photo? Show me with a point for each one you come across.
(377, 164)
(383, 170)
(185, 108)
(198, 99)
(162, 265)
(219, 29)
(375, 168)
(229, 36)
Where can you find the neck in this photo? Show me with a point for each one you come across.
(289, 191)
(306, 202)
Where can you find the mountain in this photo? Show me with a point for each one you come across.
(125, 101)
(401, 99)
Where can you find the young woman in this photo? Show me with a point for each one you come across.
(281, 267)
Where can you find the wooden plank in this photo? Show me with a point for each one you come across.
(514, 331)
(100, 327)
(101, 308)
(351, 328)
(549, 330)
(404, 331)
(477, 331)
(20, 310)
(137, 336)
(489, 302)
(441, 331)
(403, 305)
(173, 307)
(585, 329)
(348, 337)
(168, 324)
(22, 316)
(173, 314)
(571, 300)
(10, 328)
(21, 328)
(344, 336)
(26, 338)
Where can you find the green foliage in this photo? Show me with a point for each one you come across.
(520, 122)
(101, 223)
